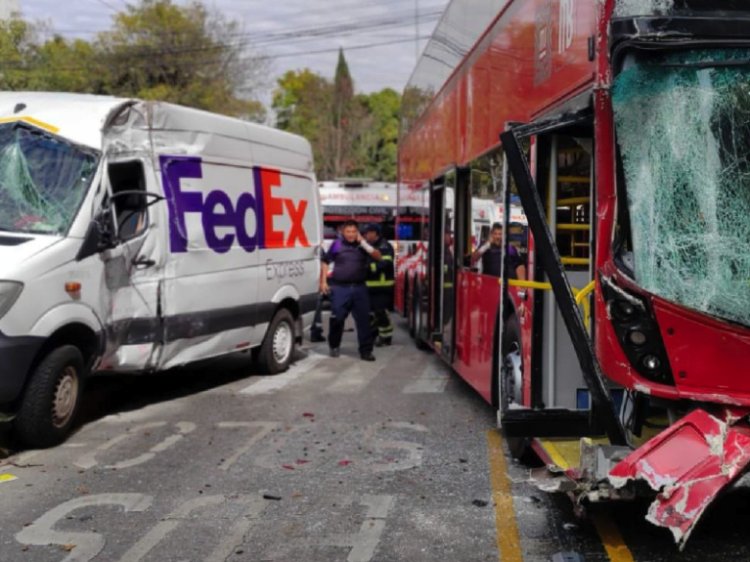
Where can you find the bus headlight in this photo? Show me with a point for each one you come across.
(9, 293)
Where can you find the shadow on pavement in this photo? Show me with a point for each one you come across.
(113, 394)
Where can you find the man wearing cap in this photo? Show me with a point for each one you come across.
(346, 286)
(380, 282)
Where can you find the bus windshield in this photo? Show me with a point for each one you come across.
(683, 128)
(43, 180)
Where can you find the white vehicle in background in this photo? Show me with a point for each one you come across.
(365, 201)
(140, 236)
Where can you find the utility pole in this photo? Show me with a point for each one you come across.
(416, 30)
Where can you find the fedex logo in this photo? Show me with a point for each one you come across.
(223, 221)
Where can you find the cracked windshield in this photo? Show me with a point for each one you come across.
(42, 180)
(683, 125)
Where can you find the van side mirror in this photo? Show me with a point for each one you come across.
(99, 236)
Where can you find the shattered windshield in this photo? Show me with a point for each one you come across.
(43, 180)
(683, 126)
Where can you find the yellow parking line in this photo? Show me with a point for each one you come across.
(508, 539)
(611, 538)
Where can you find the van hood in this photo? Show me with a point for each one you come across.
(15, 249)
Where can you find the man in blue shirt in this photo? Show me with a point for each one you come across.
(346, 287)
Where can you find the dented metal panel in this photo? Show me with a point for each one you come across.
(689, 464)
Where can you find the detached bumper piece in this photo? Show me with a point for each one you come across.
(689, 464)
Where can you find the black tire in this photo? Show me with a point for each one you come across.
(277, 350)
(418, 328)
(519, 447)
(410, 310)
(51, 399)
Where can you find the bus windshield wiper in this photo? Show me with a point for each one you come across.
(707, 64)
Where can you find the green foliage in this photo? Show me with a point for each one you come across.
(352, 135)
(156, 49)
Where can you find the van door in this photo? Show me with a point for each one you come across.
(216, 228)
(132, 270)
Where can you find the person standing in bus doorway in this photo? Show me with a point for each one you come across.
(380, 282)
(346, 286)
(491, 253)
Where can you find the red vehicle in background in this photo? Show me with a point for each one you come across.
(623, 127)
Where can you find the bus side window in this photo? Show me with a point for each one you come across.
(130, 209)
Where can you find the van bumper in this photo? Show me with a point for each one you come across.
(16, 357)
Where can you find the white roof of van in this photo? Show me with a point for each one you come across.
(78, 117)
(82, 117)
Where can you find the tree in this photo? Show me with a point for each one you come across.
(67, 66)
(344, 117)
(302, 102)
(379, 142)
(351, 135)
(183, 54)
(17, 48)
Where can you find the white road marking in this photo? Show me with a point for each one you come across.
(267, 385)
(364, 543)
(89, 460)
(86, 546)
(357, 377)
(229, 543)
(255, 506)
(264, 428)
(433, 379)
(21, 460)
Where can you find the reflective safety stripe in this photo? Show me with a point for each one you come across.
(382, 282)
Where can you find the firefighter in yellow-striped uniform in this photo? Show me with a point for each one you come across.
(380, 283)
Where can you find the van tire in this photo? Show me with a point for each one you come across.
(277, 350)
(52, 398)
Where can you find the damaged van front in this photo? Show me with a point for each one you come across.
(676, 290)
(50, 327)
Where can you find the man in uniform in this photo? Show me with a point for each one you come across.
(380, 282)
(346, 287)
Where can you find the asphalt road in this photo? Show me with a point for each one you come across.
(336, 459)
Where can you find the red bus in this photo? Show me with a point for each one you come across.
(623, 126)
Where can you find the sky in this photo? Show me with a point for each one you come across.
(379, 36)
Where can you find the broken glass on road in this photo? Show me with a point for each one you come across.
(683, 127)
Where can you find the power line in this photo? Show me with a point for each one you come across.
(79, 68)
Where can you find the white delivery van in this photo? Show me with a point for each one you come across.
(139, 236)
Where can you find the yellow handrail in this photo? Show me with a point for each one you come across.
(573, 179)
(575, 261)
(579, 294)
(573, 201)
(573, 227)
(585, 292)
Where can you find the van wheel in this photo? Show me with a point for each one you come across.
(51, 400)
(276, 352)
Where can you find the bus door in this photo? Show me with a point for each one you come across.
(565, 393)
(567, 164)
(442, 262)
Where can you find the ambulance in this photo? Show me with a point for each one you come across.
(140, 236)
